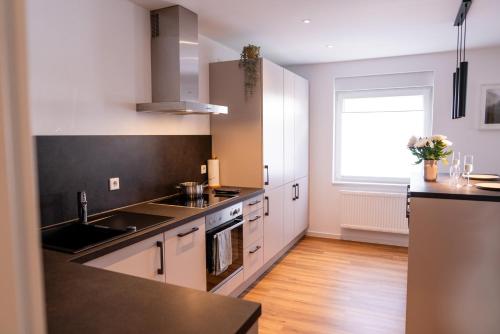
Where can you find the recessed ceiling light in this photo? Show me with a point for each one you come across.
(306, 21)
(330, 46)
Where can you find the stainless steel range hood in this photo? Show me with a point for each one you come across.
(174, 64)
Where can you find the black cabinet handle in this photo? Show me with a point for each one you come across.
(266, 167)
(294, 192)
(255, 250)
(298, 191)
(254, 219)
(267, 207)
(161, 270)
(408, 196)
(254, 203)
(183, 234)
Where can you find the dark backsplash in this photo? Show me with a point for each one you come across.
(148, 167)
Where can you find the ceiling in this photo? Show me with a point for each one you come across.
(356, 29)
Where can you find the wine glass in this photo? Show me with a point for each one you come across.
(455, 170)
(468, 167)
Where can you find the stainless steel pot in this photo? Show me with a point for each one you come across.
(192, 190)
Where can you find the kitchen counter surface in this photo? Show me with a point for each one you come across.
(81, 299)
(181, 216)
(442, 189)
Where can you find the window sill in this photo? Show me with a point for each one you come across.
(370, 184)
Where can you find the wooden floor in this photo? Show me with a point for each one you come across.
(333, 286)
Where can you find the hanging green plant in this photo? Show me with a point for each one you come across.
(249, 61)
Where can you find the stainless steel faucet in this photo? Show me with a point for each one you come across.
(82, 207)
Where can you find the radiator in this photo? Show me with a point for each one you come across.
(373, 211)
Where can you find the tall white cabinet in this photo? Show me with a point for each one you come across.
(264, 142)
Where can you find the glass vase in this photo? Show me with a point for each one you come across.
(430, 170)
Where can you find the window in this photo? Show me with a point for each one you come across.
(372, 128)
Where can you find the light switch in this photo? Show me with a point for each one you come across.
(203, 169)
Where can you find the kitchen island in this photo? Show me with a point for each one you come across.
(454, 259)
(82, 299)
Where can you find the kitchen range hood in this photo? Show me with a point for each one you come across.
(174, 64)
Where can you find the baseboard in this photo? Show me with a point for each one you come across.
(365, 236)
(392, 239)
(323, 235)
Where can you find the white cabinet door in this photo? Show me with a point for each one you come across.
(288, 212)
(185, 255)
(301, 142)
(252, 259)
(273, 222)
(288, 127)
(302, 206)
(272, 82)
(142, 259)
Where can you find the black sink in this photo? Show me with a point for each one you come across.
(77, 237)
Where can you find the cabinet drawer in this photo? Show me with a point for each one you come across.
(253, 258)
(231, 285)
(253, 229)
(253, 204)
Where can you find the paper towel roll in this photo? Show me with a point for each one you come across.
(213, 173)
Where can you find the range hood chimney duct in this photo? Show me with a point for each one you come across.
(174, 64)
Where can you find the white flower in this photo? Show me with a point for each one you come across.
(422, 142)
(412, 141)
(447, 142)
(438, 137)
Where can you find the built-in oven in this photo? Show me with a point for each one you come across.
(224, 233)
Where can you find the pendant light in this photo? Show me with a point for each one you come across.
(460, 75)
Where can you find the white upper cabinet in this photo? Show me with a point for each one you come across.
(264, 140)
(185, 255)
(301, 123)
(288, 127)
(272, 116)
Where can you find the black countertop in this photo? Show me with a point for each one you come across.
(81, 299)
(442, 189)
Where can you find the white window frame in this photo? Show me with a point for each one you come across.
(426, 91)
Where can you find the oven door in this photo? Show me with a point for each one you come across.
(236, 228)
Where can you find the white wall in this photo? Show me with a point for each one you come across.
(90, 64)
(484, 68)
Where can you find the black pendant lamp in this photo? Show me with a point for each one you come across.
(460, 75)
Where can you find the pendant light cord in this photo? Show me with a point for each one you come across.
(461, 42)
(465, 34)
(458, 37)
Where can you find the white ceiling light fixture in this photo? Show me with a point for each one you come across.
(306, 21)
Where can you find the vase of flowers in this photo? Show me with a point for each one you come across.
(430, 150)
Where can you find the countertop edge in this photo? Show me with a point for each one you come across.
(441, 189)
(463, 197)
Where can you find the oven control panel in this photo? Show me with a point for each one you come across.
(220, 217)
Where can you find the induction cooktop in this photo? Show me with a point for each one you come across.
(204, 201)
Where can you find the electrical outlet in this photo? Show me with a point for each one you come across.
(114, 183)
(203, 169)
